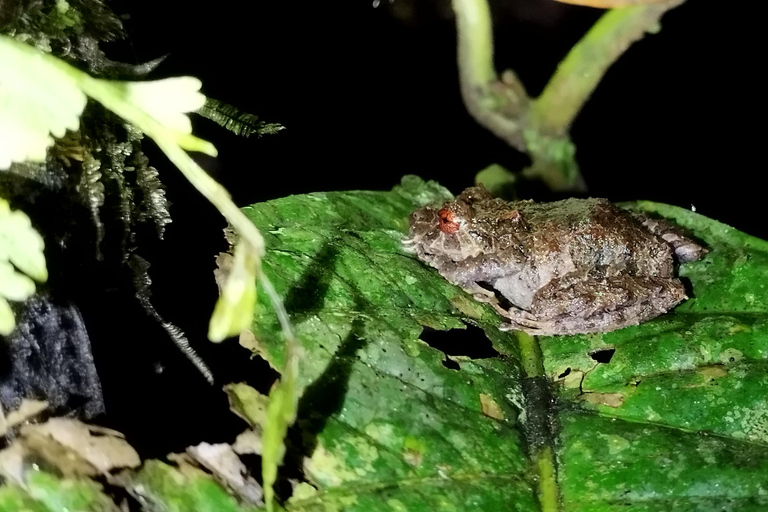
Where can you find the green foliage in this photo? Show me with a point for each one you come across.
(280, 414)
(554, 156)
(44, 492)
(112, 167)
(384, 423)
(499, 180)
(675, 421)
(668, 415)
(166, 488)
(36, 80)
(157, 486)
(248, 403)
(31, 108)
(236, 121)
(74, 456)
(44, 95)
(234, 310)
(20, 247)
(64, 24)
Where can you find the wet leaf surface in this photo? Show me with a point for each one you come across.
(671, 413)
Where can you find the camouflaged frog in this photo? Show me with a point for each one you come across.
(566, 267)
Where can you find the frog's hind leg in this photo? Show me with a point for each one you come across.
(603, 305)
(685, 248)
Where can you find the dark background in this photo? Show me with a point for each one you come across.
(368, 94)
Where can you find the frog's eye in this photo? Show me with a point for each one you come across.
(447, 221)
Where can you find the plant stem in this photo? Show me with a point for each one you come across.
(212, 191)
(548, 490)
(475, 39)
(540, 127)
(530, 355)
(496, 106)
(579, 73)
(539, 426)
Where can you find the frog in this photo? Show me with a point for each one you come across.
(573, 266)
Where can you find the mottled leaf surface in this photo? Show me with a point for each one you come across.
(688, 424)
(669, 415)
(383, 423)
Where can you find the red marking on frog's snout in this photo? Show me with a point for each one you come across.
(448, 224)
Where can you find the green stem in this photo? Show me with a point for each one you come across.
(496, 105)
(538, 427)
(540, 128)
(548, 490)
(212, 191)
(530, 355)
(475, 42)
(105, 92)
(577, 76)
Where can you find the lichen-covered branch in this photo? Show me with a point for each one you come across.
(582, 69)
(539, 127)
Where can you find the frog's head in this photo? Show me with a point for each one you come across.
(467, 227)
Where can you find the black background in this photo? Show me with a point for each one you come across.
(368, 94)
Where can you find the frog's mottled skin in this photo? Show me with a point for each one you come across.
(573, 266)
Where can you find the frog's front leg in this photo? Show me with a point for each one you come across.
(599, 305)
(519, 319)
(480, 294)
(469, 277)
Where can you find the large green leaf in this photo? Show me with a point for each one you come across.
(676, 419)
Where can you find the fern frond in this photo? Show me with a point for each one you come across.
(235, 120)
